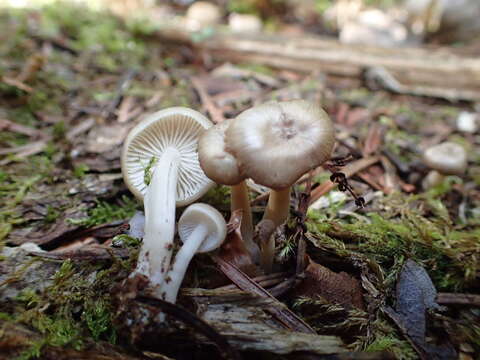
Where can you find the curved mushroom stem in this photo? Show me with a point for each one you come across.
(278, 206)
(159, 203)
(182, 259)
(240, 200)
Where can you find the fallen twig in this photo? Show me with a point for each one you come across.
(281, 312)
(213, 110)
(349, 170)
(458, 299)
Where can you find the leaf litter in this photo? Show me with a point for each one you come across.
(66, 107)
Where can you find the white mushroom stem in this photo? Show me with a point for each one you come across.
(240, 200)
(182, 260)
(278, 206)
(159, 203)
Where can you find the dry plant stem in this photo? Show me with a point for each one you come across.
(240, 200)
(159, 202)
(286, 317)
(458, 299)
(348, 170)
(278, 206)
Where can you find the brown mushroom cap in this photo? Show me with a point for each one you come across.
(277, 142)
(447, 158)
(217, 163)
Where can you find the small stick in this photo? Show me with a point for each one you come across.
(459, 299)
(349, 170)
(213, 110)
(286, 317)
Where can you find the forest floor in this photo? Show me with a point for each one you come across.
(74, 82)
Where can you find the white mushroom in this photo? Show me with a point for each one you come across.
(166, 141)
(447, 158)
(202, 229)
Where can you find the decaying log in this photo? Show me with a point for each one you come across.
(241, 318)
(16, 339)
(427, 72)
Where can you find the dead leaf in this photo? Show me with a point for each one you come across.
(340, 288)
(415, 296)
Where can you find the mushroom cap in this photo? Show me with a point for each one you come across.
(217, 163)
(207, 215)
(275, 143)
(177, 127)
(447, 158)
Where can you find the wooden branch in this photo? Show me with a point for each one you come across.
(427, 72)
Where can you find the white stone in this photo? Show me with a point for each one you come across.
(373, 27)
(244, 23)
(333, 197)
(467, 122)
(202, 14)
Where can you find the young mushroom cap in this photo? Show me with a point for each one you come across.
(447, 158)
(221, 166)
(176, 127)
(208, 216)
(217, 163)
(277, 142)
(201, 228)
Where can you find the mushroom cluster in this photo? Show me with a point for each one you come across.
(170, 159)
(273, 144)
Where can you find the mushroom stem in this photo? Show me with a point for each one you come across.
(268, 253)
(240, 200)
(182, 259)
(278, 206)
(159, 203)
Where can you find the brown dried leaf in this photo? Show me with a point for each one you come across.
(335, 287)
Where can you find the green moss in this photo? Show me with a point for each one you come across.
(98, 318)
(80, 170)
(418, 227)
(147, 174)
(400, 348)
(76, 306)
(105, 212)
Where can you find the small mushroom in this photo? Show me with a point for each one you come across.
(202, 229)
(447, 158)
(221, 166)
(165, 141)
(276, 143)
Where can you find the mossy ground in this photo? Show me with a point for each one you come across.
(87, 54)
